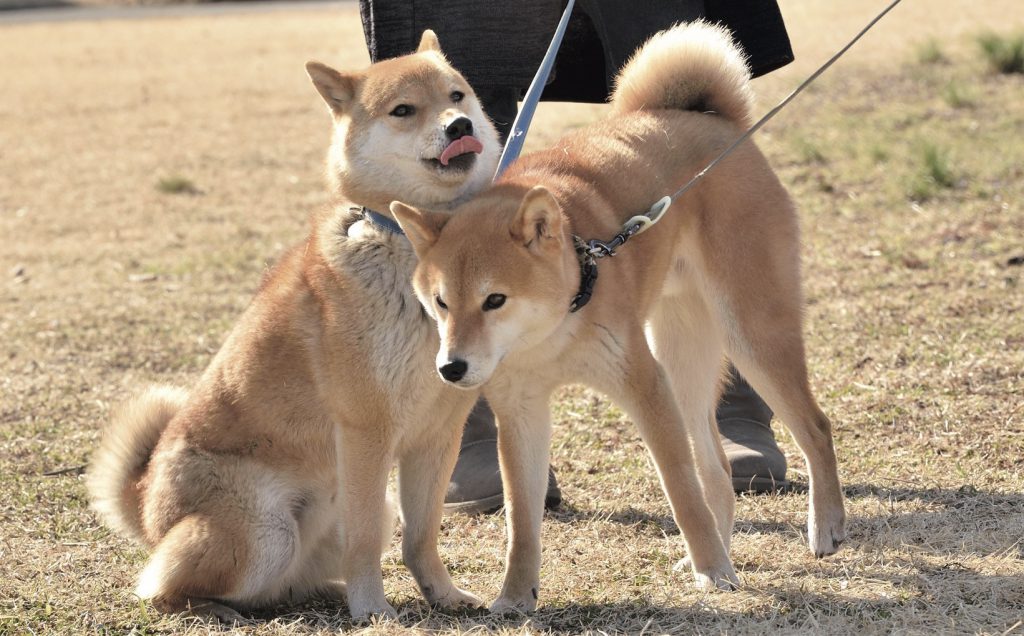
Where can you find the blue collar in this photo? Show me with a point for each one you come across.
(380, 221)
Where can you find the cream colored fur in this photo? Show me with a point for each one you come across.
(718, 275)
(266, 482)
(709, 77)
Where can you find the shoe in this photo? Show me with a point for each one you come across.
(756, 461)
(744, 423)
(475, 486)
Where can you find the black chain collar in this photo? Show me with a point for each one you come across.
(588, 252)
(588, 274)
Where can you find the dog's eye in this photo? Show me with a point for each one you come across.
(402, 110)
(494, 301)
(440, 303)
(457, 96)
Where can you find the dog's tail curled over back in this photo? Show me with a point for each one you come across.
(692, 66)
(119, 462)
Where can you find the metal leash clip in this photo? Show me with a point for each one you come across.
(632, 227)
(653, 215)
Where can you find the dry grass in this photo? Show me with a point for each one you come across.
(913, 322)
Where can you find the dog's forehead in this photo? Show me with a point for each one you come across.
(474, 255)
(415, 78)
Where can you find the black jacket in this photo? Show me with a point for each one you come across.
(500, 43)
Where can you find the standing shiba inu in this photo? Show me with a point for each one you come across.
(266, 482)
(719, 273)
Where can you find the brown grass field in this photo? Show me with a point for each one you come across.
(150, 170)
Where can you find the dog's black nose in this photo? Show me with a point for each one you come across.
(459, 127)
(454, 370)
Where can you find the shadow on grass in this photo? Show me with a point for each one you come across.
(791, 606)
(957, 497)
(957, 514)
(568, 618)
(645, 522)
(652, 524)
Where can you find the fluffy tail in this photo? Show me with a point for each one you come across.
(694, 66)
(123, 454)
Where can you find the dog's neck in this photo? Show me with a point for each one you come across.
(382, 206)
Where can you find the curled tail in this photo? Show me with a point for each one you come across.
(123, 454)
(693, 66)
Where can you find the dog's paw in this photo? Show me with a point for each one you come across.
(224, 614)
(722, 577)
(826, 534)
(333, 591)
(456, 599)
(362, 612)
(514, 605)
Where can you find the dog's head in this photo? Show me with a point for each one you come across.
(409, 128)
(496, 275)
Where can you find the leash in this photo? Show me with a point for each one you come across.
(785, 102)
(521, 124)
(589, 251)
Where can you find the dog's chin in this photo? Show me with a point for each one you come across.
(458, 168)
(466, 385)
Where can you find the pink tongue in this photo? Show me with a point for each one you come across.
(460, 146)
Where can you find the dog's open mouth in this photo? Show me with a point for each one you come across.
(458, 155)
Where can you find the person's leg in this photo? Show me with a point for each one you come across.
(501, 105)
(476, 482)
(475, 485)
(744, 422)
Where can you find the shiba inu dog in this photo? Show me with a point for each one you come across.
(718, 274)
(266, 482)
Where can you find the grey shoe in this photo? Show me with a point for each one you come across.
(475, 486)
(744, 422)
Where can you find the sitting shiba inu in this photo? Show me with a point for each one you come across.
(266, 482)
(719, 273)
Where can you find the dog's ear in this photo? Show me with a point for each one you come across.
(336, 88)
(421, 226)
(538, 222)
(428, 42)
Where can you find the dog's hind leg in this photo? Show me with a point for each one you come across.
(199, 562)
(760, 307)
(684, 340)
(643, 390)
(782, 382)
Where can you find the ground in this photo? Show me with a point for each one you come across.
(152, 169)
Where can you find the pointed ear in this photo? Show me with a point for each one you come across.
(421, 226)
(336, 88)
(539, 219)
(428, 42)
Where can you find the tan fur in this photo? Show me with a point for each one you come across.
(719, 274)
(266, 482)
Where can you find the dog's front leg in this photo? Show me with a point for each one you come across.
(423, 474)
(365, 460)
(524, 437)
